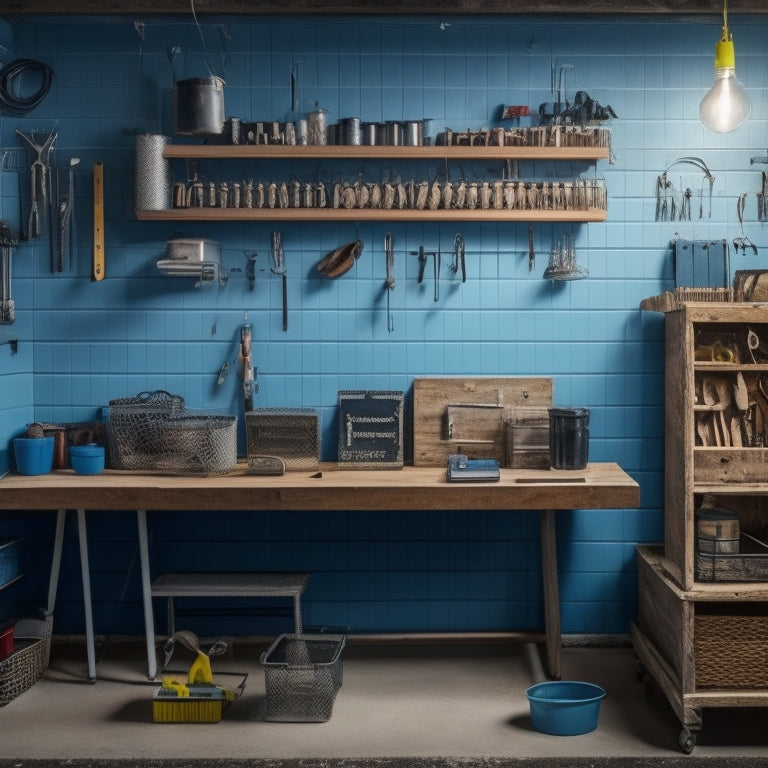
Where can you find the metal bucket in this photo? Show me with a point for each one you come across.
(199, 106)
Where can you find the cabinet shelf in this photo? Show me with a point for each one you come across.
(339, 152)
(693, 615)
(730, 367)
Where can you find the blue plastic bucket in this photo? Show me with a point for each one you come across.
(565, 707)
(87, 459)
(34, 455)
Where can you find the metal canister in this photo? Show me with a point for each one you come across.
(414, 133)
(317, 125)
(352, 131)
(394, 133)
(199, 106)
(302, 133)
(370, 133)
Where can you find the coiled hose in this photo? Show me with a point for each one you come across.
(15, 105)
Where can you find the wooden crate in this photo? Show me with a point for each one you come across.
(527, 438)
(486, 396)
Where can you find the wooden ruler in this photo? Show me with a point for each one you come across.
(99, 252)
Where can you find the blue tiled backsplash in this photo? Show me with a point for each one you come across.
(82, 343)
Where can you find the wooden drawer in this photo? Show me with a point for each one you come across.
(730, 465)
(729, 647)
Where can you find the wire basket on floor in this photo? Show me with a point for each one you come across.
(154, 432)
(303, 674)
(24, 667)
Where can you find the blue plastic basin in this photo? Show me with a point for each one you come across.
(87, 459)
(565, 707)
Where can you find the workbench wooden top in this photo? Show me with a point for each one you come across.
(599, 486)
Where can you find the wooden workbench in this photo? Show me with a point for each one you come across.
(599, 486)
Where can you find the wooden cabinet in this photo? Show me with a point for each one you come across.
(592, 208)
(702, 619)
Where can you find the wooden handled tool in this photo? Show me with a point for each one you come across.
(99, 253)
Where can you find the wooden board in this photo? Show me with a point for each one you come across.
(420, 7)
(432, 397)
(599, 486)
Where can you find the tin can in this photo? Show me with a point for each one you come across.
(413, 133)
(394, 133)
(352, 132)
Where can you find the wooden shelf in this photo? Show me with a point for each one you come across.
(236, 152)
(300, 152)
(730, 367)
(710, 591)
(367, 214)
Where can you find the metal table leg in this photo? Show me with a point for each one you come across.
(551, 592)
(53, 580)
(146, 593)
(85, 572)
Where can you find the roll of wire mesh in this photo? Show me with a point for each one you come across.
(154, 180)
(11, 76)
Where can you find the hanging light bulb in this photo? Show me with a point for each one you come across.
(725, 106)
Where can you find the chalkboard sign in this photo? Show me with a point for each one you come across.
(370, 429)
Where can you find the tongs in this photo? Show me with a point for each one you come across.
(38, 178)
(7, 241)
(742, 241)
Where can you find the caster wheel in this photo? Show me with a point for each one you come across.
(687, 741)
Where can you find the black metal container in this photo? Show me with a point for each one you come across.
(568, 438)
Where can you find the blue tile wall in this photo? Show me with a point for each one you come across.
(83, 343)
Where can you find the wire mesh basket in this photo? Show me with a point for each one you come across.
(293, 434)
(154, 431)
(302, 674)
(25, 666)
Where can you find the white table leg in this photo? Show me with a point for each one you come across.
(551, 591)
(53, 580)
(85, 572)
(146, 593)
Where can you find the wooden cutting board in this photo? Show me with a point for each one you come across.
(481, 400)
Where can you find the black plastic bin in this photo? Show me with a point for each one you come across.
(568, 438)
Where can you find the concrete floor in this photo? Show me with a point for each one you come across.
(406, 700)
